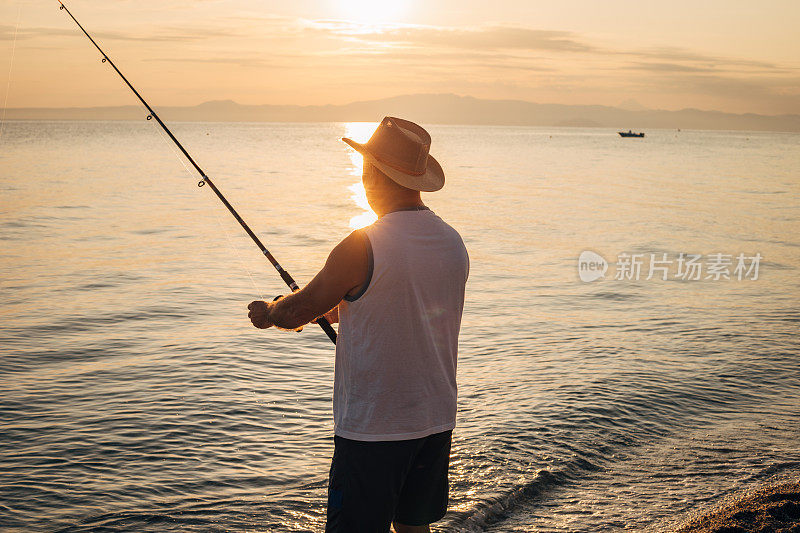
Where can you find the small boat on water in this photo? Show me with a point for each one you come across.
(629, 133)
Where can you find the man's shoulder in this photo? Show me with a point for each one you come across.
(420, 223)
(352, 246)
(449, 230)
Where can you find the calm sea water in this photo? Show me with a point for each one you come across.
(135, 395)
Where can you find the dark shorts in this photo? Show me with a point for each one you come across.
(372, 484)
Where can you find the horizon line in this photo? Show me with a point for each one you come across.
(408, 95)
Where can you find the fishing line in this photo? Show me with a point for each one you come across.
(10, 67)
(285, 276)
(214, 209)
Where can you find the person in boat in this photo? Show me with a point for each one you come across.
(396, 288)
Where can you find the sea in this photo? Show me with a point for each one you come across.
(628, 353)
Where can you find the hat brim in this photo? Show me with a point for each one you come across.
(431, 181)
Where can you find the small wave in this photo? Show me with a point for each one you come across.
(497, 508)
(123, 521)
(81, 323)
(614, 296)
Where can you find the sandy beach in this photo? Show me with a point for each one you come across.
(772, 507)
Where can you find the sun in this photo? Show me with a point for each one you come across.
(370, 11)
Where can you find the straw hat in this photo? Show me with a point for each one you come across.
(399, 148)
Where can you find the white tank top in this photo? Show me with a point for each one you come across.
(395, 372)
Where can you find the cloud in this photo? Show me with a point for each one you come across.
(238, 61)
(725, 86)
(478, 38)
(514, 40)
(665, 67)
(444, 59)
(665, 56)
(167, 34)
(7, 32)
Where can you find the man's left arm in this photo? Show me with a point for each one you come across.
(345, 270)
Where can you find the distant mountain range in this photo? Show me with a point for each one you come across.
(434, 109)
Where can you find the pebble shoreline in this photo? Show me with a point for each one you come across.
(774, 507)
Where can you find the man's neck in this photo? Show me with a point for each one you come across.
(404, 204)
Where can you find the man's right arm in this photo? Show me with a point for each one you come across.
(345, 271)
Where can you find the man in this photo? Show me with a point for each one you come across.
(397, 290)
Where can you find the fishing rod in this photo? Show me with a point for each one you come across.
(322, 321)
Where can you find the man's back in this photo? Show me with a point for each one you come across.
(395, 375)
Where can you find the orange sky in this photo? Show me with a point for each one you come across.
(729, 55)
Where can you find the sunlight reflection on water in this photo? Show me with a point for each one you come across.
(359, 196)
(359, 132)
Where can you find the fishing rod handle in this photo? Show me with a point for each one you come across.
(289, 280)
(327, 328)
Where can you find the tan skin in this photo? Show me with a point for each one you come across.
(344, 273)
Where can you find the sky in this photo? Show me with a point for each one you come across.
(727, 55)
